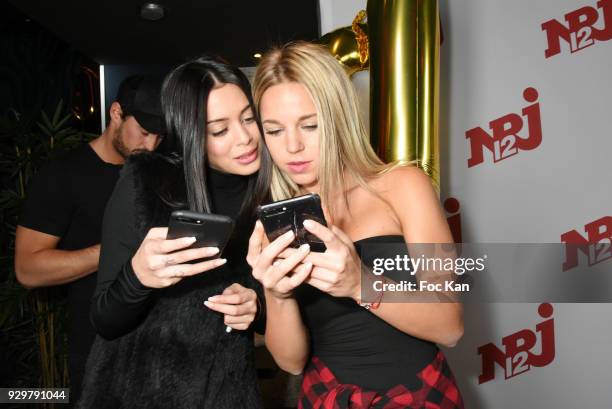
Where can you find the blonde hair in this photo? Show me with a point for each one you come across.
(344, 146)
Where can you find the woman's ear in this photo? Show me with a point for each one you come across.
(116, 113)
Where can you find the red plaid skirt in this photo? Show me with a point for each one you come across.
(321, 390)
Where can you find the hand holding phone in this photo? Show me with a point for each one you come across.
(280, 217)
(160, 263)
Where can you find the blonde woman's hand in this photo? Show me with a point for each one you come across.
(160, 263)
(277, 276)
(238, 305)
(337, 271)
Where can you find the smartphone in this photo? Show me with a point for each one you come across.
(280, 217)
(210, 230)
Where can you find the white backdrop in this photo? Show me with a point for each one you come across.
(493, 51)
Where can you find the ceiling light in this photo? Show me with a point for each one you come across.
(151, 11)
(257, 55)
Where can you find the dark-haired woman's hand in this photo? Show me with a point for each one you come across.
(160, 263)
(238, 305)
(277, 276)
(337, 271)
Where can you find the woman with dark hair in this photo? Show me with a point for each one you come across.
(166, 322)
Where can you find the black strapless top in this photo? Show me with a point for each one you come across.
(357, 346)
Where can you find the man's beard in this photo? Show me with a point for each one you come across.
(119, 145)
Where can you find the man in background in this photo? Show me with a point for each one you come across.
(59, 230)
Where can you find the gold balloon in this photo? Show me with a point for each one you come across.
(349, 45)
(404, 47)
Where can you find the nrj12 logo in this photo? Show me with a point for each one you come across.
(504, 140)
(580, 31)
(596, 246)
(517, 355)
(452, 206)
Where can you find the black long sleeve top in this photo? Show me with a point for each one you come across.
(121, 301)
(162, 348)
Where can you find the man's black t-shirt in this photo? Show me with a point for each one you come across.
(67, 199)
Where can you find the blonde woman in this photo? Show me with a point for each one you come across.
(381, 356)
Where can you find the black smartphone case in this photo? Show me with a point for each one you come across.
(280, 217)
(210, 230)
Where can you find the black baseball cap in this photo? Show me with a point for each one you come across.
(140, 96)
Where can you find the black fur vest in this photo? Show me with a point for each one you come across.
(180, 356)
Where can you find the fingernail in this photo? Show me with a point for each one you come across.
(212, 299)
(213, 250)
(221, 261)
(190, 239)
(206, 303)
(304, 248)
(289, 233)
(306, 267)
(308, 223)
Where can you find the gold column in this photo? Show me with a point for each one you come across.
(404, 48)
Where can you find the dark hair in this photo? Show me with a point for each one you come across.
(184, 101)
